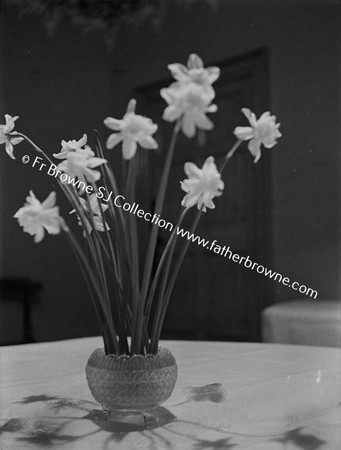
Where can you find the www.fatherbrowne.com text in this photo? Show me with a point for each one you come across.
(155, 219)
(224, 251)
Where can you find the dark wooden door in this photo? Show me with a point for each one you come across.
(215, 298)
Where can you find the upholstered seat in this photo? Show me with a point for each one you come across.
(304, 322)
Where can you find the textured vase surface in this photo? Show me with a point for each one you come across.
(131, 383)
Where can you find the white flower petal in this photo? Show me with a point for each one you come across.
(60, 155)
(89, 175)
(244, 133)
(16, 140)
(3, 138)
(39, 234)
(188, 126)
(113, 124)
(212, 108)
(51, 224)
(98, 223)
(166, 95)
(208, 202)
(95, 162)
(93, 200)
(171, 113)
(10, 122)
(209, 164)
(113, 140)
(250, 116)
(254, 147)
(203, 122)
(179, 71)
(83, 140)
(192, 171)
(190, 200)
(200, 205)
(50, 201)
(131, 106)
(148, 142)
(194, 62)
(266, 116)
(213, 74)
(9, 149)
(269, 142)
(32, 199)
(129, 148)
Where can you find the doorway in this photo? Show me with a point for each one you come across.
(215, 298)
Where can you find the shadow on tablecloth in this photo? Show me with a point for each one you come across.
(56, 414)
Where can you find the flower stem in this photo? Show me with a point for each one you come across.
(165, 301)
(160, 265)
(158, 210)
(229, 155)
(112, 342)
(98, 310)
(134, 258)
(35, 146)
(123, 342)
(166, 297)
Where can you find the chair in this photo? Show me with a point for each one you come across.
(303, 322)
(17, 296)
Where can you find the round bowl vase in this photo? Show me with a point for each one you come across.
(131, 383)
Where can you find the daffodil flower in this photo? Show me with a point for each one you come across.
(96, 213)
(36, 217)
(202, 185)
(262, 131)
(133, 129)
(72, 146)
(189, 102)
(80, 163)
(5, 135)
(196, 72)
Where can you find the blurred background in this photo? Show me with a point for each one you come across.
(65, 66)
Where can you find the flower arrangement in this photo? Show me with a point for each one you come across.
(108, 252)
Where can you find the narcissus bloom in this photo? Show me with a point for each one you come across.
(96, 213)
(80, 164)
(202, 185)
(72, 146)
(262, 131)
(6, 138)
(191, 102)
(196, 72)
(36, 217)
(131, 130)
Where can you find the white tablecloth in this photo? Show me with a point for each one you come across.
(228, 396)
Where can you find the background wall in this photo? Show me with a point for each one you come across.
(2, 113)
(65, 85)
